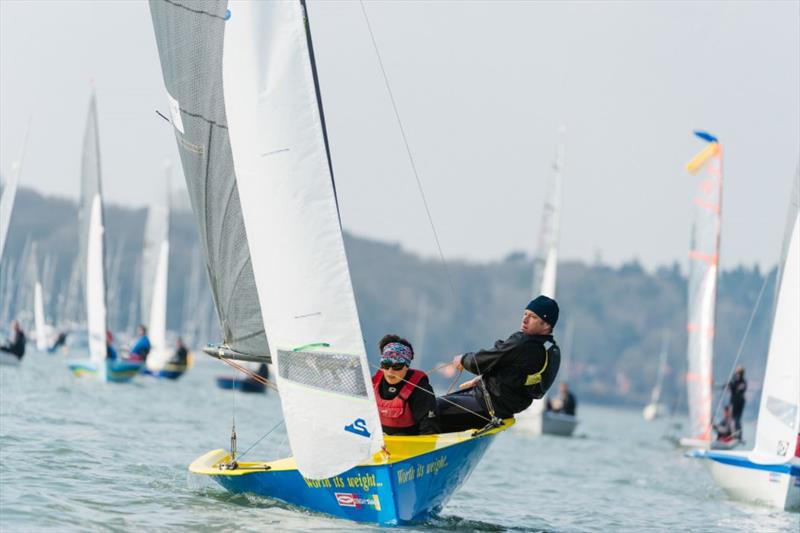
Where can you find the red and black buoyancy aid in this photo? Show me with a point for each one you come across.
(396, 412)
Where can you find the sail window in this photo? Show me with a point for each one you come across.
(333, 372)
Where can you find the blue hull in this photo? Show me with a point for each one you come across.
(116, 371)
(243, 385)
(405, 491)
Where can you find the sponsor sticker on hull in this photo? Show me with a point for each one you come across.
(356, 500)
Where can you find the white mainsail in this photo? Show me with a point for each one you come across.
(93, 242)
(9, 195)
(779, 413)
(704, 258)
(7, 203)
(155, 271)
(283, 172)
(546, 261)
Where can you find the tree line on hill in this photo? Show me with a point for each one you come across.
(612, 323)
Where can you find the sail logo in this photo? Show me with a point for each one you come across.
(352, 499)
(359, 427)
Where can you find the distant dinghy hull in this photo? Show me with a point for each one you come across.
(115, 372)
(537, 421)
(776, 485)
(240, 384)
(413, 483)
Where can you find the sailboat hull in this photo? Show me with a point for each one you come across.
(548, 423)
(776, 485)
(116, 371)
(406, 486)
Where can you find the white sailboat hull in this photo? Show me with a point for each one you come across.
(546, 423)
(652, 411)
(776, 485)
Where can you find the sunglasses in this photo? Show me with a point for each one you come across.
(386, 364)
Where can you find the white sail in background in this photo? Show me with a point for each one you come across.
(779, 412)
(284, 176)
(9, 194)
(7, 204)
(155, 271)
(703, 263)
(546, 261)
(93, 242)
(39, 323)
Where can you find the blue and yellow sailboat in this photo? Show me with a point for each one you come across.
(245, 105)
(409, 481)
(92, 255)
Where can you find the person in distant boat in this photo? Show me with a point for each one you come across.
(111, 352)
(406, 402)
(141, 348)
(16, 344)
(181, 354)
(59, 342)
(737, 387)
(726, 428)
(564, 403)
(511, 375)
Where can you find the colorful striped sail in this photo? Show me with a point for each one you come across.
(703, 267)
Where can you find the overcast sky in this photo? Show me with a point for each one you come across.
(482, 88)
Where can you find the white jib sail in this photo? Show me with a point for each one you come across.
(547, 253)
(779, 413)
(155, 274)
(291, 218)
(157, 327)
(38, 316)
(10, 194)
(7, 204)
(96, 286)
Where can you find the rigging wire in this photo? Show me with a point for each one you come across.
(741, 347)
(416, 175)
(408, 151)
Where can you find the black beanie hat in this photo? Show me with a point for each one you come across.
(546, 308)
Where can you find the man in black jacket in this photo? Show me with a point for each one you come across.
(510, 375)
(16, 345)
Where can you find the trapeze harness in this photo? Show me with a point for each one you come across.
(396, 412)
(543, 379)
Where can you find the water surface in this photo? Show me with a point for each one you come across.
(77, 455)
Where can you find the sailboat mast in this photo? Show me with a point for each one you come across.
(319, 103)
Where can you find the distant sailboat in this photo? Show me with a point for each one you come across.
(655, 408)
(155, 275)
(9, 194)
(282, 266)
(536, 420)
(92, 253)
(770, 472)
(703, 264)
(44, 332)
